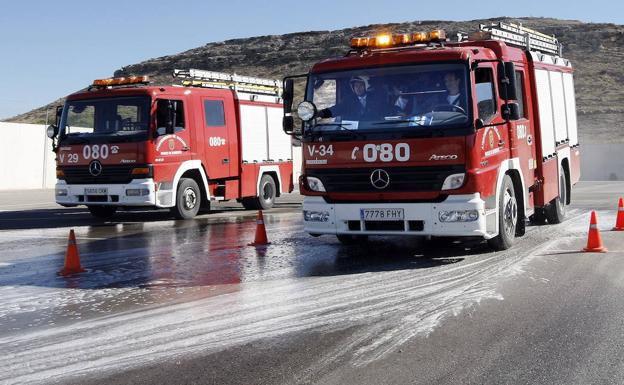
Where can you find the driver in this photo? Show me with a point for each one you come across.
(452, 82)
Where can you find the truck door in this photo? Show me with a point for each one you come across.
(174, 148)
(521, 132)
(219, 146)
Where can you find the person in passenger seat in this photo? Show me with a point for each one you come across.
(361, 105)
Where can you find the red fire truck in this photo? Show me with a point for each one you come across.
(412, 134)
(217, 136)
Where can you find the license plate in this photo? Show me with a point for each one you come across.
(382, 214)
(96, 191)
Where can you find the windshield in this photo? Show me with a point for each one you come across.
(388, 102)
(112, 119)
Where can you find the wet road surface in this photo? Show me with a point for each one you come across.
(167, 301)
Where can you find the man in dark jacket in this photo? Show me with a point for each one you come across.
(361, 105)
(454, 96)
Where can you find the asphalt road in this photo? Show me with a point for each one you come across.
(188, 302)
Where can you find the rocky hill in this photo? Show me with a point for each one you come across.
(596, 51)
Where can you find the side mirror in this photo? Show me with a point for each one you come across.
(59, 113)
(288, 94)
(511, 111)
(507, 81)
(288, 124)
(171, 117)
(52, 131)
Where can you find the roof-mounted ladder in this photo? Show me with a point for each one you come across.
(211, 79)
(520, 36)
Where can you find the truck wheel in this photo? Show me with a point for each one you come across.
(556, 211)
(266, 195)
(102, 212)
(348, 239)
(507, 217)
(188, 199)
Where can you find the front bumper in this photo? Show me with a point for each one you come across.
(116, 194)
(419, 218)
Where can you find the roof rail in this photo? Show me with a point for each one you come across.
(519, 36)
(239, 83)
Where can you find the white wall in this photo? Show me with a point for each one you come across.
(26, 157)
(602, 161)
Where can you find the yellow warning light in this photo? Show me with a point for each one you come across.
(359, 42)
(383, 40)
(401, 39)
(437, 35)
(420, 37)
(121, 81)
(140, 170)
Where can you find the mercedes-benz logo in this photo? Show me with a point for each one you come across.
(380, 179)
(95, 168)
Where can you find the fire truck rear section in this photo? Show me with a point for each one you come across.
(124, 143)
(478, 164)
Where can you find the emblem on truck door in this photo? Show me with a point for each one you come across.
(380, 179)
(95, 168)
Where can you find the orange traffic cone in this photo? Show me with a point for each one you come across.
(72, 258)
(261, 236)
(594, 241)
(619, 222)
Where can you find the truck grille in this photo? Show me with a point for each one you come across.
(402, 179)
(110, 174)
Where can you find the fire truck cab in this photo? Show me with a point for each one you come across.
(412, 134)
(124, 143)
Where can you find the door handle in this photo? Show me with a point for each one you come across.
(501, 143)
(225, 161)
(185, 148)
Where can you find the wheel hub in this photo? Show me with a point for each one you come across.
(267, 192)
(510, 213)
(190, 198)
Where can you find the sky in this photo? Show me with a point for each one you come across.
(49, 49)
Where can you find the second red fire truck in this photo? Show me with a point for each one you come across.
(412, 134)
(126, 143)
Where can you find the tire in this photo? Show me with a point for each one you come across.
(556, 211)
(102, 212)
(348, 239)
(507, 217)
(188, 199)
(266, 198)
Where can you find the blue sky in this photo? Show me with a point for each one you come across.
(50, 49)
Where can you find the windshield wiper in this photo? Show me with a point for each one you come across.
(342, 126)
(416, 122)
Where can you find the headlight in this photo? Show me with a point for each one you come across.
(315, 184)
(136, 192)
(315, 216)
(306, 111)
(61, 192)
(458, 216)
(453, 181)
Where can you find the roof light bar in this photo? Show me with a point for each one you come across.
(386, 40)
(120, 81)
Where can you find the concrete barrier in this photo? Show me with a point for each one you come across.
(602, 161)
(26, 157)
